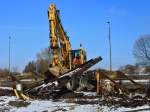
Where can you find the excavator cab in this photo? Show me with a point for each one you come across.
(78, 57)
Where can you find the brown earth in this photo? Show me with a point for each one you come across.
(6, 92)
(19, 103)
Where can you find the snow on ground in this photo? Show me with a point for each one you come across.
(6, 88)
(140, 81)
(88, 93)
(39, 106)
(4, 106)
(59, 106)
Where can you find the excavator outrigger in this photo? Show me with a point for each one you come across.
(63, 57)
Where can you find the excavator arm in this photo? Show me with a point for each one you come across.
(59, 41)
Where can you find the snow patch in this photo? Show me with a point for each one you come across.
(50, 105)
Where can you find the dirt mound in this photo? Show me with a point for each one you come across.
(6, 92)
(125, 102)
(19, 103)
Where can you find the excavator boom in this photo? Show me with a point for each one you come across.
(62, 54)
(60, 51)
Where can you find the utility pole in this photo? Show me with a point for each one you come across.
(9, 53)
(109, 37)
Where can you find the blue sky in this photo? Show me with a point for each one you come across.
(85, 22)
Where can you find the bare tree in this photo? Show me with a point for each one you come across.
(128, 69)
(15, 70)
(43, 60)
(41, 64)
(4, 72)
(44, 54)
(30, 67)
(147, 69)
(141, 50)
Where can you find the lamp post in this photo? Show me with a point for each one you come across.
(9, 53)
(109, 37)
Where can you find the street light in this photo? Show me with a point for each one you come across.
(9, 53)
(109, 37)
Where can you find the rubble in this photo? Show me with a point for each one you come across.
(55, 90)
(125, 101)
(6, 92)
(19, 103)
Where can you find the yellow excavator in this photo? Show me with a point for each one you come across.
(66, 64)
(63, 57)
